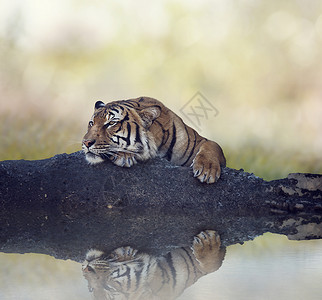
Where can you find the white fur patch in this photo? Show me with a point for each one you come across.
(93, 254)
(93, 159)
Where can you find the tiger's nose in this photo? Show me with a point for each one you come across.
(88, 143)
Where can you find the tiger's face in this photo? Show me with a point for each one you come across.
(119, 128)
(107, 276)
(98, 273)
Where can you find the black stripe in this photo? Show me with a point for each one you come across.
(128, 275)
(133, 102)
(192, 261)
(137, 133)
(165, 135)
(188, 268)
(192, 150)
(128, 140)
(138, 274)
(114, 109)
(157, 122)
(164, 272)
(172, 269)
(173, 141)
(126, 118)
(185, 152)
(130, 105)
(120, 128)
(163, 275)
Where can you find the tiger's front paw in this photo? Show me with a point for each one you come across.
(205, 242)
(206, 249)
(206, 164)
(204, 169)
(122, 159)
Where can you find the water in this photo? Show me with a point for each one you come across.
(271, 267)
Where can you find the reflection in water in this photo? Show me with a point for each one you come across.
(128, 274)
(270, 267)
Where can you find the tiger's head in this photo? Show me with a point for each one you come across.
(120, 127)
(111, 279)
(97, 270)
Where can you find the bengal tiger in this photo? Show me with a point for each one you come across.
(127, 274)
(138, 129)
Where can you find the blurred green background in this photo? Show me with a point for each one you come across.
(259, 63)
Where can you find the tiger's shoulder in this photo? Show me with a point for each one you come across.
(182, 145)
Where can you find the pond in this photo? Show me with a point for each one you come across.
(270, 267)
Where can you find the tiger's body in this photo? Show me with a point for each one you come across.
(139, 129)
(126, 274)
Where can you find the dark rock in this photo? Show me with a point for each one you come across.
(62, 206)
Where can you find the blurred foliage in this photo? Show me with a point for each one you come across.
(258, 62)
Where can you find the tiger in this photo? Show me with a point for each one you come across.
(127, 131)
(127, 274)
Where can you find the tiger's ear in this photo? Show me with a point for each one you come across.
(149, 114)
(99, 104)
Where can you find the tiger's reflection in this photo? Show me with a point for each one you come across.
(128, 274)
